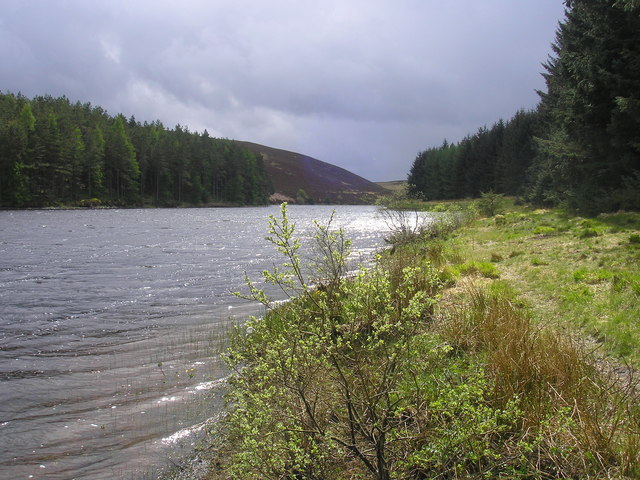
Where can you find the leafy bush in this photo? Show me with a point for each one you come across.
(543, 230)
(490, 203)
(588, 233)
(318, 380)
(486, 269)
(463, 431)
(368, 378)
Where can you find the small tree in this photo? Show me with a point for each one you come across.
(303, 198)
(490, 203)
(319, 380)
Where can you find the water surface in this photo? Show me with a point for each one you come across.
(111, 328)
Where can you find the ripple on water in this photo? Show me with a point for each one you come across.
(112, 327)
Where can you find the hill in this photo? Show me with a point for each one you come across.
(324, 183)
(394, 185)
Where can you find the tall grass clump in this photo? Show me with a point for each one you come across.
(579, 419)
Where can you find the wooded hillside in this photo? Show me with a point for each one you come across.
(53, 153)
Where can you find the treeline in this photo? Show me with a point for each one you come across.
(490, 160)
(53, 152)
(580, 148)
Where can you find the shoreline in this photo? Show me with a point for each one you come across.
(472, 267)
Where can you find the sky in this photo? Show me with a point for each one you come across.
(362, 84)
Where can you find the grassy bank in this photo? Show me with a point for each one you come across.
(473, 352)
(570, 271)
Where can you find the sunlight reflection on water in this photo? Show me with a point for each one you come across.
(112, 325)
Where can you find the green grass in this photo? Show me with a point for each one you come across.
(579, 272)
(484, 269)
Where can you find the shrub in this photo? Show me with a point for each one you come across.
(490, 203)
(318, 380)
(369, 378)
(543, 230)
(588, 233)
(303, 198)
(403, 225)
(486, 269)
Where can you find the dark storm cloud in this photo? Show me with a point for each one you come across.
(362, 84)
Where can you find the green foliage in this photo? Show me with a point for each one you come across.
(485, 269)
(543, 230)
(491, 160)
(490, 203)
(407, 223)
(571, 408)
(318, 379)
(303, 198)
(588, 154)
(403, 225)
(465, 433)
(538, 262)
(588, 281)
(592, 277)
(588, 233)
(122, 171)
(500, 219)
(434, 174)
(53, 152)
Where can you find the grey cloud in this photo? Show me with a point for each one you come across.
(362, 84)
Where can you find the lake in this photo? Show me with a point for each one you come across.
(112, 324)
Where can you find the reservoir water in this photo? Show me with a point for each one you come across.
(112, 323)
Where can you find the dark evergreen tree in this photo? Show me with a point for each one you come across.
(92, 177)
(581, 147)
(121, 167)
(16, 137)
(516, 153)
(590, 153)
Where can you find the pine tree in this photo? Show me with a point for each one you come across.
(122, 170)
(592, 106)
